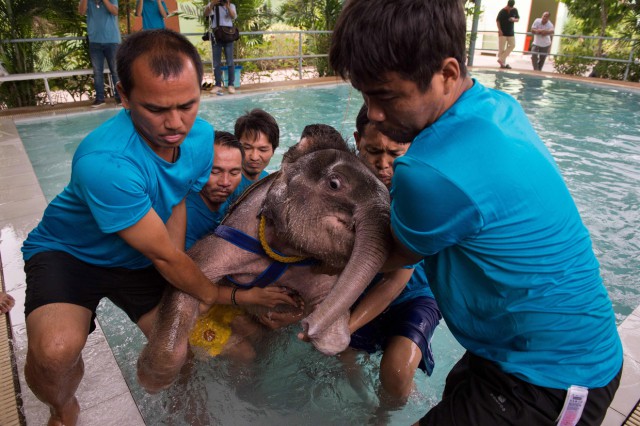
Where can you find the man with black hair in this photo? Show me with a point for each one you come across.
(117, 230)
(506, 36)
(259, 135)
(479, 197)
(397, 313)
(207, 208)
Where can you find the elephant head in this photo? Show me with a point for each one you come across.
(326, 204)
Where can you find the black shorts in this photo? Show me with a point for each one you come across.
(58, 277)
(478, 392)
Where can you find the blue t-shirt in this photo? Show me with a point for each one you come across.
(151, 16)
(245, 183)
(115, 180)
(102, 26)
(417, 286)
(508, 258)
(200, 220)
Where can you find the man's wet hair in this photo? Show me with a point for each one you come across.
(163, 49)
(227, 139)
(255, 121)
(362, 121)
(409, 37)
(318, 136)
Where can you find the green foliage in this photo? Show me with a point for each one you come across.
(596, 15)
(617, 70)
(314, 15)
(24, 19)
(575, 52)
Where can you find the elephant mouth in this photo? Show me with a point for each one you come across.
(340, 222)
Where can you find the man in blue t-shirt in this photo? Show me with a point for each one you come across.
(207, 208)
(479, 197)
(153, 13)
(259, 135)
(104, 37)
(397, 313)
(117, 230)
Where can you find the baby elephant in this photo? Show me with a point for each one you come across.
(323, 206)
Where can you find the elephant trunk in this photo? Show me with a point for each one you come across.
(370, 251)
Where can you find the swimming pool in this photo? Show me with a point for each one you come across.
(591, 132)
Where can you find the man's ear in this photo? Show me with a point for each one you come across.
(450, 73)
(123, 96)
(357, 137)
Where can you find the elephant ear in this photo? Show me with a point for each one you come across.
(316, 137)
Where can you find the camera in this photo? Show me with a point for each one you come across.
(222, 2)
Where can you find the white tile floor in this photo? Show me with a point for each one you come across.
(103, 393)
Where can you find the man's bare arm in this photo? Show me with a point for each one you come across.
(379, 298)
(82, 7)
(150, 237)
(112, 8)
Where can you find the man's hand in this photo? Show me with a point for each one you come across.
(269, 297)
(276, 320)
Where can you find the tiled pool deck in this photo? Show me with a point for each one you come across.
(103, 394)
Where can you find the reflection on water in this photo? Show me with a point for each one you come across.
(594, 135)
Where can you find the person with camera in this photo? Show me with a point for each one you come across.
(221, 13)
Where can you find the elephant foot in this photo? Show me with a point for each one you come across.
(156, 371)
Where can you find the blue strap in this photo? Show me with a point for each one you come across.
(246, 242)
(240, 239)
(268, 276)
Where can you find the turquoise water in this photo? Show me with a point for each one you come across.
(594, 135)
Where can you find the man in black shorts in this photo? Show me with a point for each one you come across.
(479, 197)
(117, 230)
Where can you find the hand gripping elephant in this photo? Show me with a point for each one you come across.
(323, 204)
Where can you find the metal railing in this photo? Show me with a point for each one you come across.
(630, 60)
(45, 75)
(300, 57)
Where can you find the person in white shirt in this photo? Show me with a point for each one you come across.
(542, 30)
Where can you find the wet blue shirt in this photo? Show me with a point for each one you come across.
(200, 220)
(115, 180)
(508, 258)
(245, 183)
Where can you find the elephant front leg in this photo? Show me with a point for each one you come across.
(166, 351)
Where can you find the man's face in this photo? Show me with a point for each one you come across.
(163, 111)
(377, 151)
(545, 17)
(400, 109)
(225, 175)
(257, 154)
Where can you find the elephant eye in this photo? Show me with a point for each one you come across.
(334, 183)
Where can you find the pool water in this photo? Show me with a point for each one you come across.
(592, 131)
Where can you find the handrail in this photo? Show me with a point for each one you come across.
(629, 61)
(45, 76)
